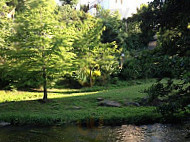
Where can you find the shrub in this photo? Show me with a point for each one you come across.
(69, 81)
(175, 96)
(147, 65)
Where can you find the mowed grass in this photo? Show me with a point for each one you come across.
(24, 108)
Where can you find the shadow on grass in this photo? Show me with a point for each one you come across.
(85, 90)
(66, 95)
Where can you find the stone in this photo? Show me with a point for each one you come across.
(99, 99)
(3, 124)
(108, 103)
(132, 104)
(76, 107)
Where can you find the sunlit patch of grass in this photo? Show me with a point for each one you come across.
(14, 96)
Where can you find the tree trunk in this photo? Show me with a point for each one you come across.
(44, 84)
(91, 81)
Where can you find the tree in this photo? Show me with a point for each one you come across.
(115, 27)
(167, 18)
(142, 26)
(6, 25)
(94, 58)
(41, 43)
(133, 39)
(173, 34)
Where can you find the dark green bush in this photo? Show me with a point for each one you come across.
(68, 81)
(174, 95)
(146, 65)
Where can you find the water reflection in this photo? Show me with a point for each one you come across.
(125, 133)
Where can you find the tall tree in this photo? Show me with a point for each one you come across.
(41, 43)
(6, 25)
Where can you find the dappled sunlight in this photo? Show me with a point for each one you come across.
(119, 93)
(54, 95)
(15, 96)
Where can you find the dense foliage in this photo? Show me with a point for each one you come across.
(115, 27)
(169, 20)
(43, 42)
(172, 97)
(5, 31)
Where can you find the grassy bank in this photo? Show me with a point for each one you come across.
(76, 106)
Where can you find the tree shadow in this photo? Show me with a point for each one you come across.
(68, 96)
(70, 91)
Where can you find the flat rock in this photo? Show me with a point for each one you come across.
(108, 103)
(132, 104)
(99, 99)
(76, 107)
(2, 124)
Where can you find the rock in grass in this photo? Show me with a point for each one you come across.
(132, 104)
(3, 124)
(108, 103)
(76, 107)
(100, 99)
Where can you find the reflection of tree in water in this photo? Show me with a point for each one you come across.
(91, 124)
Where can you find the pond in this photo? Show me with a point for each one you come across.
(124, 133)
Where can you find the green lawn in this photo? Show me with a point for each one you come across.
(21, 108)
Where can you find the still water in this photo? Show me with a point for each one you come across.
(124, 133)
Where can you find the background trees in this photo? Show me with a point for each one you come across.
(115, 28)
(168, 20)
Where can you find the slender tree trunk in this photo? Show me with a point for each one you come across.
(91, 81)
(44, 66)
(44, 84)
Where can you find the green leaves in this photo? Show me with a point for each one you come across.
(115, 28)
(50, 41)
(173, 96)
(94, 58)
(39, 41)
